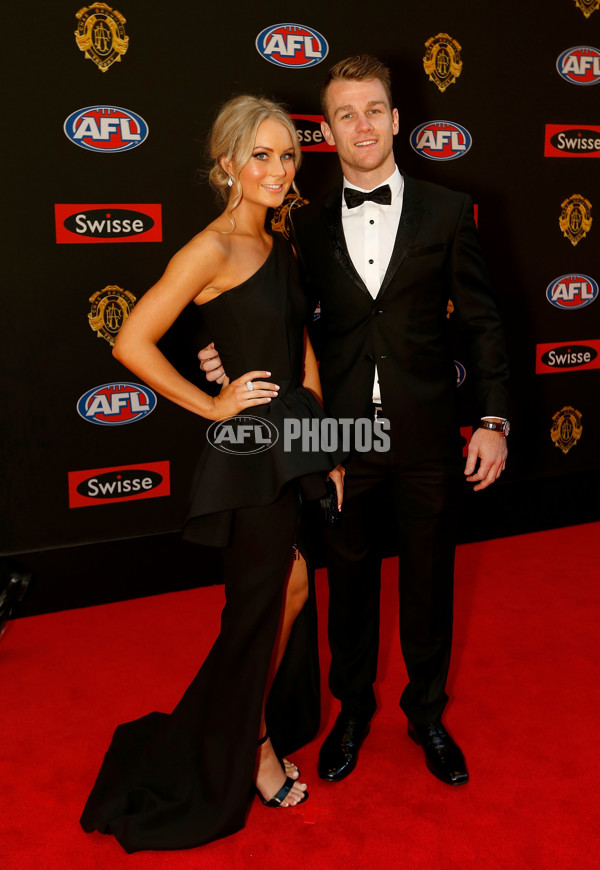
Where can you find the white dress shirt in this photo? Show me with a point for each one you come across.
(370, 231)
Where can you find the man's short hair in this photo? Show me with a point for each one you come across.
(359, 67)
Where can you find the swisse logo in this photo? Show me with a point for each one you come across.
(572, 140)
(461, 373)
(96, 486)
(98, 222)
(106, 128)
(292, 45)
(580, 65)
(568, 357)
(116, 404)
(244, 435)
(308, 130)
(440, 140)
(572, 291)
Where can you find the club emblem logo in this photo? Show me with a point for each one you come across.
(442, 61)
(110, 309)
(587, 6)
(566, 428)
(575, 218)
(101, 34)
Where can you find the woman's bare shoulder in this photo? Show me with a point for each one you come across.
(207, 246)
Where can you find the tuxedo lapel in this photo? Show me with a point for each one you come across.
(410, 220)
(332, 211)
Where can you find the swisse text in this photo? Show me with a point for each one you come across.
(123, 484)
(568, 357)
(566, 142)
(106, 226)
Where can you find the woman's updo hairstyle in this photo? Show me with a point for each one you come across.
(232, 141)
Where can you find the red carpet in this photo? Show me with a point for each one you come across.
(525, 707)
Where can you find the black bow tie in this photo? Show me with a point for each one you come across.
(381, 195)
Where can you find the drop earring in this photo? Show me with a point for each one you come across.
(230, 181)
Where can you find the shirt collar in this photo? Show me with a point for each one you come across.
(395, 181)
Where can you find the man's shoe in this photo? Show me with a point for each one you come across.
(442, 756)
(339, 752)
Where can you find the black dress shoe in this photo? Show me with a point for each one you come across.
(339, 752)
(442, 756)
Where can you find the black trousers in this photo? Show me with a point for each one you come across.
(423, 501)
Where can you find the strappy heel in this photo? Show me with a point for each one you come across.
(285, 789)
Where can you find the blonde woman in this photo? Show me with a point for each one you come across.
(179, 780)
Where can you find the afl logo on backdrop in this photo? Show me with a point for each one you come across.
(106, 128)
(292, 45)
(580, 65)
(440, 140)
(572, 291)
(461, 373)
(116, 404)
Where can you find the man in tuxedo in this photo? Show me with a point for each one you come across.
(384, 255)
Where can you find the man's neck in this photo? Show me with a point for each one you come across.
(368, 180)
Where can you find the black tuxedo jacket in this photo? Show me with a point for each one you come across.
(404, 331)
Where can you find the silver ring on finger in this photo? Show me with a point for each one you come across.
(250, 386)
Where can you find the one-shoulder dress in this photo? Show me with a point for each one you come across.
(178, 780)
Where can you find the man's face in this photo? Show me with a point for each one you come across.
(362, 126)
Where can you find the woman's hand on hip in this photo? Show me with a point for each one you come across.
(243, 393)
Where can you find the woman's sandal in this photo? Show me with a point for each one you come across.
(285, 789)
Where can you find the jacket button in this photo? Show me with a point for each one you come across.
(383, 356)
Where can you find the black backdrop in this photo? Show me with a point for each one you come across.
(183, 60)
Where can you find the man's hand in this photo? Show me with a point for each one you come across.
(210, 363)
(490, 449)
(337, 475)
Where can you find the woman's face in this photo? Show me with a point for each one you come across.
(267, 176)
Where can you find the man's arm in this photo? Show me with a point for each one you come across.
(480, 324)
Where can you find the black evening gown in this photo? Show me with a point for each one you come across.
(174, 781)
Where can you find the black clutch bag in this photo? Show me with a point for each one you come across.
(329, 504)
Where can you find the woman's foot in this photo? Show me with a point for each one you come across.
(270, 777)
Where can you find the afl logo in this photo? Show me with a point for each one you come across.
(292, 45)
(580, 65)
(440, 140)
(242, 434)
(572, 291)
(461, 373)
(106, 128)
(116, 404)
